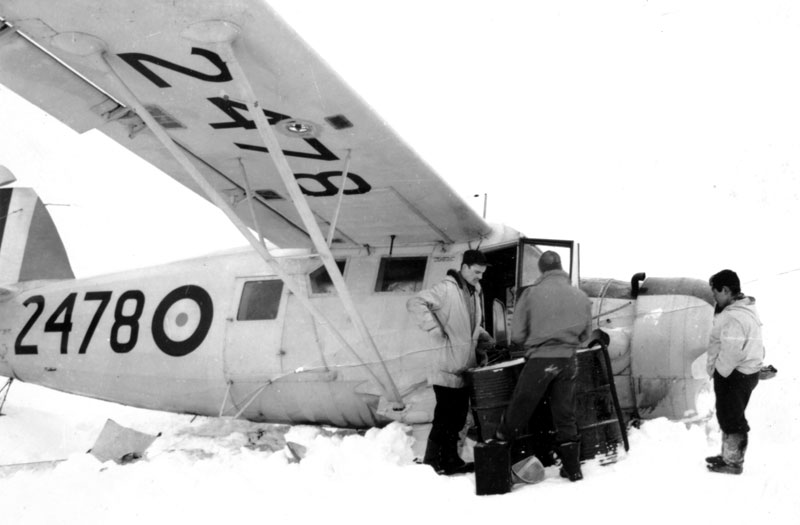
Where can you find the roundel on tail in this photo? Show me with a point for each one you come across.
(182, 320)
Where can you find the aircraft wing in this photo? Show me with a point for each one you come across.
(321, 124)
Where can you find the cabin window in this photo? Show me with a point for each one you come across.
(260, 300)
(401, 274)
(321, 281)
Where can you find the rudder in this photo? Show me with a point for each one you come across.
(30, 246)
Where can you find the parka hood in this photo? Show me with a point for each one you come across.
(746, 305)
(455, 275)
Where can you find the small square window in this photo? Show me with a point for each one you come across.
(401, 274)
(320, 280)
(260, 300)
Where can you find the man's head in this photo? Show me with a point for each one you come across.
(549, 261)
(725, 286)
(473, 264)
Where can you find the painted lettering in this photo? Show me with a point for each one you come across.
(237, 113)
(234, 110)
(137, 61)
(64, 326)
(104, 298)
(22, 349)
(126, 328)
(328, 188)
(322, 153)
(130, 321)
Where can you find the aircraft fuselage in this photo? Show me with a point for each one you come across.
(222, 335)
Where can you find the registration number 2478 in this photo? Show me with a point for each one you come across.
(125, 330)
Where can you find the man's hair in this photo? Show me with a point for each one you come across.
(549, 261)
(726, 278)
(474, 257)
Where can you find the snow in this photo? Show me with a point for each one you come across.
(208, 470)
(673, 123)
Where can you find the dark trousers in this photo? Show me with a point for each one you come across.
(450, 414)
(733, 394)
(553, 377)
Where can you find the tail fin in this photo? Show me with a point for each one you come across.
(30, 247)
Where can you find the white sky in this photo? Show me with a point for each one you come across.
(662, 135)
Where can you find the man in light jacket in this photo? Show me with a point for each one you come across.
(452, 313)
(551, 320)
(735, 357)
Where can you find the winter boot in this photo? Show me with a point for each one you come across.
(733, 449)
(451, 462)
(715, 460)
(570, 454)
(433, 456)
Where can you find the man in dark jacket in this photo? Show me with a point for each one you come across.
(551, 320)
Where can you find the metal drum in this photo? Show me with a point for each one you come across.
(490, 390)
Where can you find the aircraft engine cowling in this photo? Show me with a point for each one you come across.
(658, 337)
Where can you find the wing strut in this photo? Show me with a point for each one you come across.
(223, 34)
(93, 47)
(249, 193)
(345, 172)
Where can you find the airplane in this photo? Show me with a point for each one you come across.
(308, 324)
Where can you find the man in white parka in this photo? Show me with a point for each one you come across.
(452, 313)
(735, 357)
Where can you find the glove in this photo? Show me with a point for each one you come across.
(767, 372)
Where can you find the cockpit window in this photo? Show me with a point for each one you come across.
(401, 274)
(260, 300)
(320, 280)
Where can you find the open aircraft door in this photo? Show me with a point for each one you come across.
(512, 269)
(530, 250)
(255, 324)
